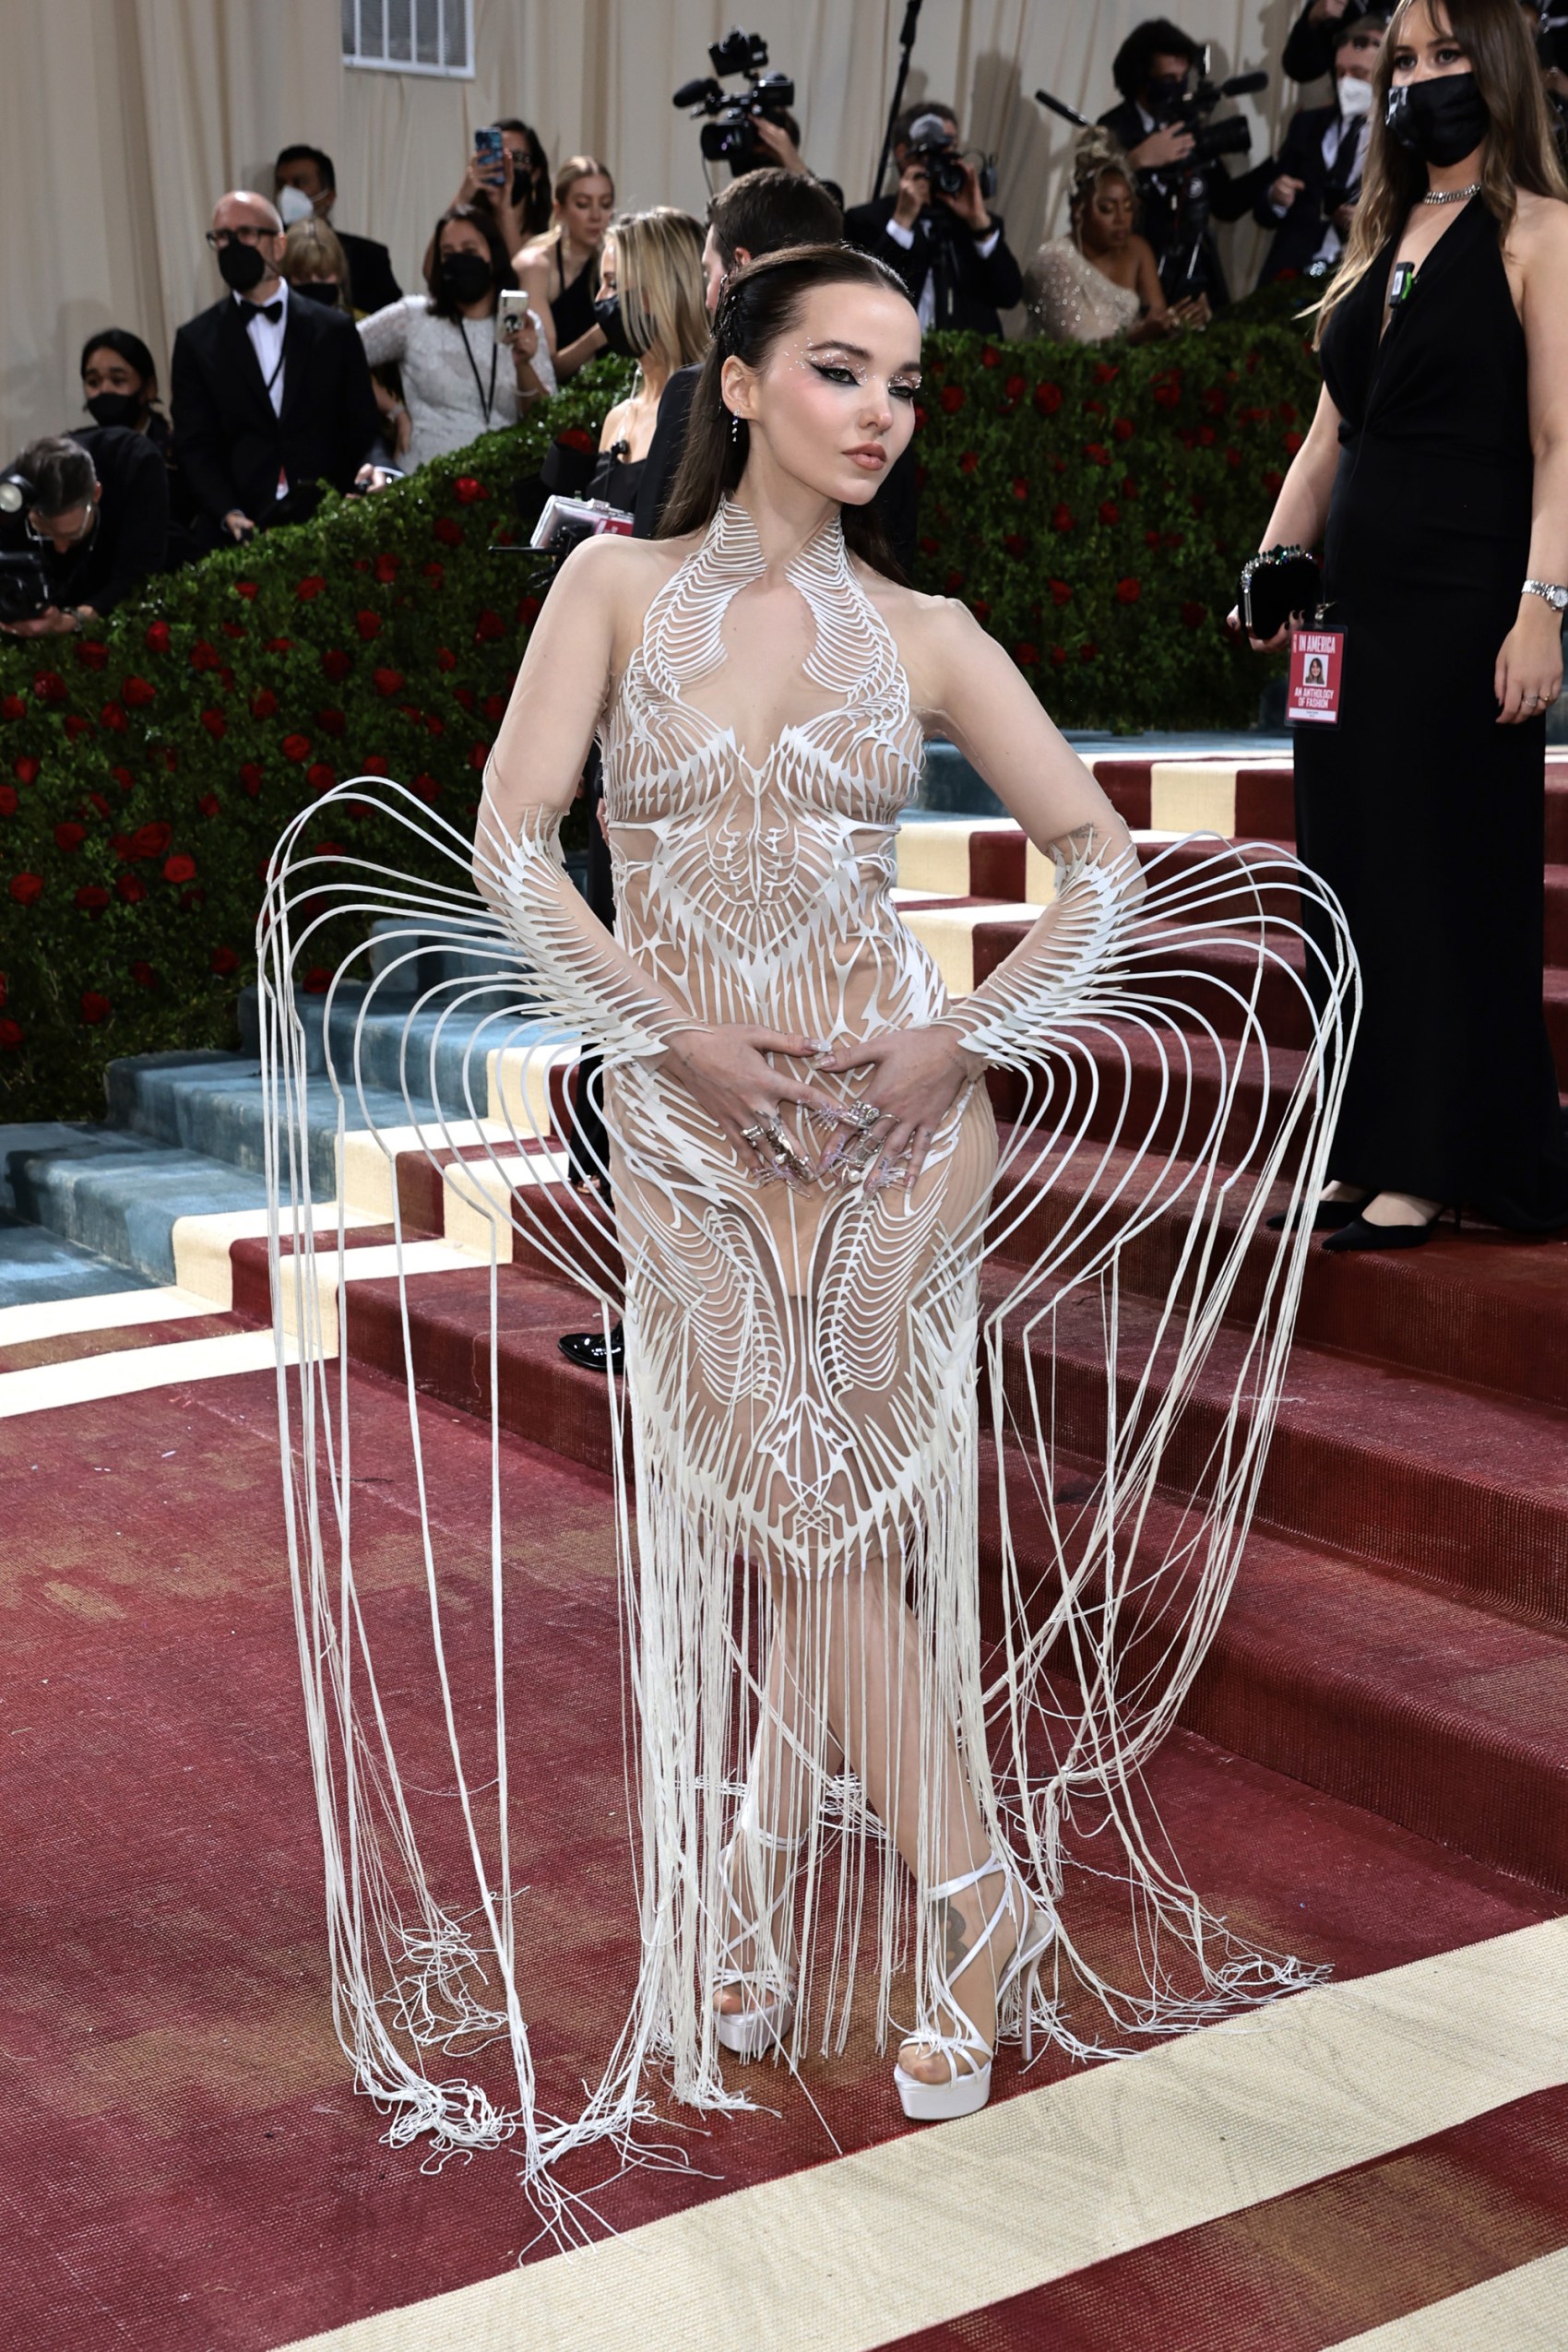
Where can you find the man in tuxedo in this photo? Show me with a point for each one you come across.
(1151, 70)
(305, 182)
(950, 251)
(1310, 201)
(269, 396)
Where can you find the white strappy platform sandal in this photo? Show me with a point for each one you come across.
(769, 2010)
(968, 2054)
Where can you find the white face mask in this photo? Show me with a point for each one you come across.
(1355, 96)
(294, 205)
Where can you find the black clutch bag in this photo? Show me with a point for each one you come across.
(1285, 581)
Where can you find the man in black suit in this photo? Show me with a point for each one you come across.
(308, 170)
(1151, 70)
(269, 396)
(1309, 202)
(950, 251)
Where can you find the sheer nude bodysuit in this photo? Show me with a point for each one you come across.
(800, 1538)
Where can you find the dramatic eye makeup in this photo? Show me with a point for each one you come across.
(846, 363)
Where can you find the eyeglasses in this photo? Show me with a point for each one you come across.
(218, 238)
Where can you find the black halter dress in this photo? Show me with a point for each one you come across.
(1424, 814)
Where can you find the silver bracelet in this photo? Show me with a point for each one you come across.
(1554, 596)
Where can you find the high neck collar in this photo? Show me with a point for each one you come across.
(733, 536)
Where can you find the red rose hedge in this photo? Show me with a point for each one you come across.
(146, 776)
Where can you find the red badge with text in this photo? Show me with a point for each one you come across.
(1315, 657)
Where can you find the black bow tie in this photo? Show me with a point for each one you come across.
(274, 311)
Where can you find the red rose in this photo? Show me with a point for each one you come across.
(279, 644)
(250, 777)
(1123, 429)
(445, 659)
(170, 760)
(1206, 437)
(1097, 453)
(434, 572)
(990, 356)
(151, 840)
(489, 626)
(91, 653)
(95, 1008)
(179, 868)
(952, 583)
(922, 417)
(98, 801)
(158, 636)
(224, 961)
(1047, 399)
(69, 836)
(11, 1035)
(387, 567)
(332, 723)
(137, 691)
(144, 976)
(1026, 654)
(113, 717)
(337, 663)
(432, 725)
(952, 398)
(1293, 442)
(449, 532)
(13, 706)
(1193, 615)
(1212, 401)
(388, 682)
(1062, 517)
(131, 887)
(368, 624)
(1286, 412)
(77, 726)
(1167, 396)
(296, 747)
(247, 588)
(1129, 591)
(575, 438)
(49, 686)
(263, 703)
(317, 980)
(1059, 657)
(981, 609)
(208, 805)
(467, 697)
(375, 765)
(320, 778)
(1014, 388)
(1110, 512)
(1060, 592)
(92, 897)
(5, 988)
(477, 756)
(968, 462)
(25, 770)
(215, 723)
(1020, 487)
(427, 788)
(9, 802)
(329, 849)
(467, 489)
(1088, 653)
(528, 610)
(123, 777)
(205, 656)
(1104, 373)
(27, 889)
(1273, 483)
(494, 708)
(310, 587)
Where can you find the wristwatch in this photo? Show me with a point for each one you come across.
(1556, 596)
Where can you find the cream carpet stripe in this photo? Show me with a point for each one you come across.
(48, 1386)
(1523, 2310)
(109, 1310)
(936, 2223)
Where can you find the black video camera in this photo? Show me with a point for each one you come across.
(1189, 110)
(25, 593)
(728, 135)
(932, 144)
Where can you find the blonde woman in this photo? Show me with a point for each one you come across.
(652, 306)
(559, 270)
(315, 265)
(1102, 279)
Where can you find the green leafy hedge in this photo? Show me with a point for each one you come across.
(1092, 509)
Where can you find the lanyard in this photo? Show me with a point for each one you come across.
(485, 398)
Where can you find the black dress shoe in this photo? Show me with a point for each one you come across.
(1328, 1216)
(1362, 1236)
(588, 1349)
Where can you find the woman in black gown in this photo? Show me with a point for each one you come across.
(1438, 459)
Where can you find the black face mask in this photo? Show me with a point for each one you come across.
(1160, 96)
(467, 277)
(1439, 120)
(115, 407)
(315, 289)
(241, 267)
(612, 325)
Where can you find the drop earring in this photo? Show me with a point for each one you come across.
(735, 430)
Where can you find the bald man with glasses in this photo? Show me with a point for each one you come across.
(270, 397)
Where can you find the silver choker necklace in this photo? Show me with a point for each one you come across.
(1452, 196)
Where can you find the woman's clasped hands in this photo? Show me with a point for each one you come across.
(880, 1136)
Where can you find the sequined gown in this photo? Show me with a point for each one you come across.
(1069, 300)
(799, 1423)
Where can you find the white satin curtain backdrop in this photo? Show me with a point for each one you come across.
(122, 121)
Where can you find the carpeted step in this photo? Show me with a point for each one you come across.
(1557, 812)
(1557, 915)
(121, 1195)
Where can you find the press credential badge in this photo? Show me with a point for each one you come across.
(1315, 657)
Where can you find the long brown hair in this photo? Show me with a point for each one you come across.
(760, 303)
(1519, 150)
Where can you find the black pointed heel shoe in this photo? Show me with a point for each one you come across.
(1362, 1236)
(1328, 1216)
(588, 1349)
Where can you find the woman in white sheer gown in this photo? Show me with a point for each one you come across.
(834, 1774)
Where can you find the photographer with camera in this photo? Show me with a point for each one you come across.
(88, 522)
(1311, 201)
(1314, 37)
(939, 232)
(1163, 124)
